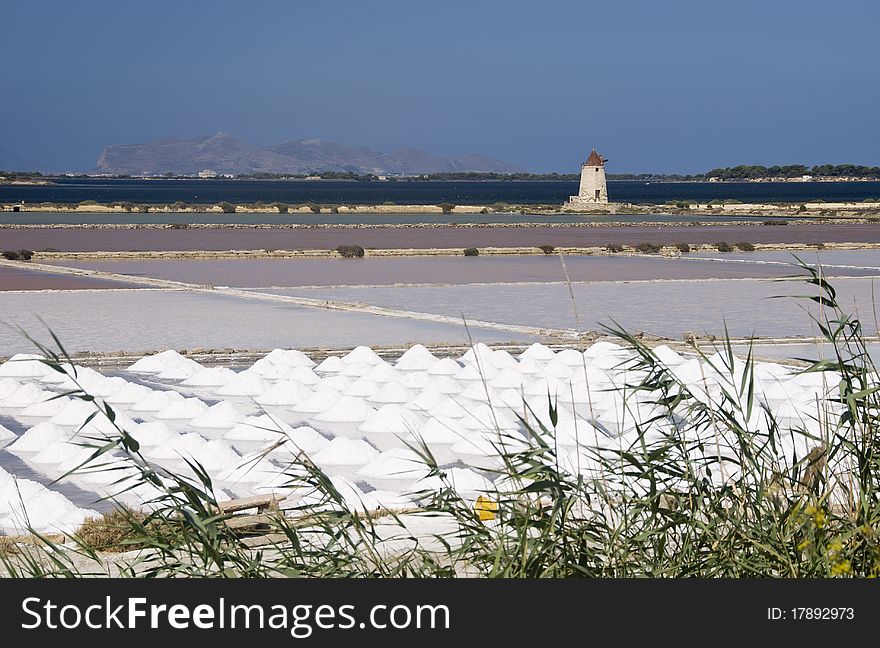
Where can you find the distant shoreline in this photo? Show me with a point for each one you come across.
(813, 209)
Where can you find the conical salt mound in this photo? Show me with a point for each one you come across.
(392, 393)
(319, 401)
(129, 394)
(303, 374)
(210, 377)
(285, 392)
(348, 409)
(25, 365)
(444, 367)
(362, 354)
(537, 352)
(26, 395)
(220, 416)
(244, 385)
(155, 401)
(188, 408)
(157, 363)
(416, 358)
(345, 452)
(331, 364)
(39, 437)
(181, 370)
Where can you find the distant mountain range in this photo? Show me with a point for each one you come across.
(223, 154)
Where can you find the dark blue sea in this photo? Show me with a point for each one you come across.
(70, 190)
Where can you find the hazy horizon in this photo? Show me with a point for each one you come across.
(665, 88)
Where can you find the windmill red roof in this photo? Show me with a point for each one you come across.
(595, 159)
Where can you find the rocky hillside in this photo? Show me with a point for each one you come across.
(223, 153)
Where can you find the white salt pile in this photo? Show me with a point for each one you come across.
(27, 504)
(319, 401)
(288, 391)
(344, 456)
(388, 425)
(392, 393)
(330, 364)
(395, 470)
(259, 428)
(155, 401)
(466, 483)
(416, 358)
(39, 437)
(45, 409)
(24, 365)
(7, 387)
(222, 415)
(6, 435)
(444, 367)
(188, 408)
(128, 395)
(301, 439)
(244, 384)
(27, 394)
(159, 362)
(365, 411)
(537, 352)
(74, 413)
(362, 354)
(153, 433)
(303, 375)
(209, 377)
(181, 370)
(347, 409)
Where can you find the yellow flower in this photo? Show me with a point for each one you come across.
(835, 546)
(803, 544)
(485, 508)
(819, 519)
(842, 567)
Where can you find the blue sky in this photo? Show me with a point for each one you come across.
(655, 86)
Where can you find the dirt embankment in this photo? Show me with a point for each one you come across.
(268, 239)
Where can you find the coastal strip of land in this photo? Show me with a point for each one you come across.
(407, 240)
(866, 208)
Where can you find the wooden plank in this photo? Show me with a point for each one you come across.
(246, 521)
(263, 540)
(258, 502)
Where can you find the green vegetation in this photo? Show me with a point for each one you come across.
(314, 208)
(682, 247)
(281, 207)
(17, 255)
(744, 246)
(547, 249)
(723, 247)
(648, 248)
(471, 252)
(227, 207)
(614, 247)
(702, 490)
(351, 251)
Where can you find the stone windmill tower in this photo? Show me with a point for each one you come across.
(593, 188)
